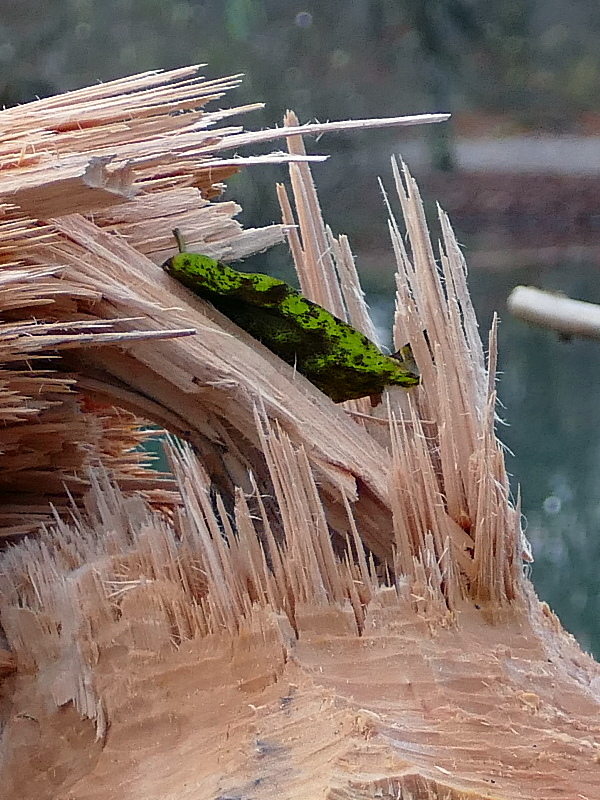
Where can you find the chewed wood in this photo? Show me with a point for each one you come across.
(314, 604)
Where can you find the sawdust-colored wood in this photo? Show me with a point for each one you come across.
(321, 601)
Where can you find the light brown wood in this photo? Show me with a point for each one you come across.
(320, 601)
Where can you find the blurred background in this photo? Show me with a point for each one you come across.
(517, 169)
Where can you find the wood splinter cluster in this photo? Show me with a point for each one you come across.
(319, 601)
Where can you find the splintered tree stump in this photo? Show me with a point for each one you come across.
(318, 600)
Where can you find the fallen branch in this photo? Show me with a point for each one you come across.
(556, 312)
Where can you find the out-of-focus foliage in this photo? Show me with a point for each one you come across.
(538, 58)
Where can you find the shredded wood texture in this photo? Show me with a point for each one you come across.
(322, 601)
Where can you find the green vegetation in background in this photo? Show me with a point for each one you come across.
(536, 59)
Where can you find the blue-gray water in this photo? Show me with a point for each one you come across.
(550, 395)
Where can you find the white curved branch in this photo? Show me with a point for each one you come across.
(554, 311)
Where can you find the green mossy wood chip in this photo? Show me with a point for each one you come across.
(334, 356)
